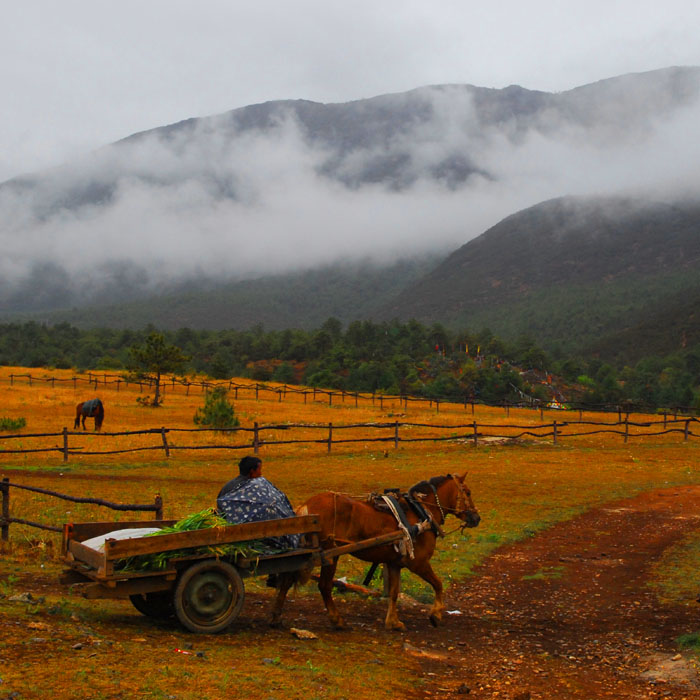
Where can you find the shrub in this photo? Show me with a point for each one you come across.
(12, 423)
(217, 411)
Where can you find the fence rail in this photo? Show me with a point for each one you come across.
(475, 432)
(280, 393)
(6, 519)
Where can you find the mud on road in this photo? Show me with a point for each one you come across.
(569, 614)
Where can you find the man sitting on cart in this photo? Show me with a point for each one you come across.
(250, 497)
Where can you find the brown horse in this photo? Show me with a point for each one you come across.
(344, 519)
(89, 409)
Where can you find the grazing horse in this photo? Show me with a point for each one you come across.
(344, 519)
(89, 409)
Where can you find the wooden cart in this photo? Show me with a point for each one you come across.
(204, 592)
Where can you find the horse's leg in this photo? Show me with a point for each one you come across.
(76, 423)
(392, 621)
(325, 585)
(425, 571)
(284, 583)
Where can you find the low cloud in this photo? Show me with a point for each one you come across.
(234, 205)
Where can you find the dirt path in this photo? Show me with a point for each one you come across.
(586, 625)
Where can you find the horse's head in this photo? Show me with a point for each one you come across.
(452, 497)
(459, 500)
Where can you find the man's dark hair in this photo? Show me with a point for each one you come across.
(248, 464)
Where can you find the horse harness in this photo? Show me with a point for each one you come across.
(391, 501)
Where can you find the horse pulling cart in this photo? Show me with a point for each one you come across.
(204, 591)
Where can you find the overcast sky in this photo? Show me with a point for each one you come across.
(77, 74)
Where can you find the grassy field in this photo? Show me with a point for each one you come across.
(520, 488)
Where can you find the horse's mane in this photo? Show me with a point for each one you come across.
(426, 486)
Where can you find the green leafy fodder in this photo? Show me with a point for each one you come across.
(204, 519)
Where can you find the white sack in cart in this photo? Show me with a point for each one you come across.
(98, 543)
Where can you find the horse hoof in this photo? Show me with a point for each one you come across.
(396, 627)
(435, 620)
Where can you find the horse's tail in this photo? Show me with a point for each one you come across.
(78, 412)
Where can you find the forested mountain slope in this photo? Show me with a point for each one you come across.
(574, 273)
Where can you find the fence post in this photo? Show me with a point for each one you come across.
(5, 488)
(396, 435)
(627, 427)
(279, 393)
(472, 408)
(355, 399)
(330, 436)
(65, 444)
(476, 434)
(665, 417)
(381, 402)
(165, 442)
(554, 433)
(12, 380)
(158, 503)
(305, 397)
(256, 439)
(685, 436)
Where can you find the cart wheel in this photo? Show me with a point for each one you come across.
(209, 596)
(157, 604)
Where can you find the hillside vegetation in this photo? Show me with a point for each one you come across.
(394, 358)
(581, 275)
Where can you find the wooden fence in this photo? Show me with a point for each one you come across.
(6, 519)
(281, 393)
(467, 432)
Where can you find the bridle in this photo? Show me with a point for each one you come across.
(462, 502)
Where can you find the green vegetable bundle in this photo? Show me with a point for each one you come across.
(197, 521)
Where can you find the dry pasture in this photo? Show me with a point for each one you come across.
(58, 644)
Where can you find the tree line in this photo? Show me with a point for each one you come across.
(393, 357)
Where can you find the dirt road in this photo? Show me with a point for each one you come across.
(569, 614)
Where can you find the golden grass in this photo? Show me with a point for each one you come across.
(519, 488)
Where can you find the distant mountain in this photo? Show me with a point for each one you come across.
(392, 139)
(295, 300)
(260, 191)
(613, 276)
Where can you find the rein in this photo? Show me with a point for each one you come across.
(461, 506)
